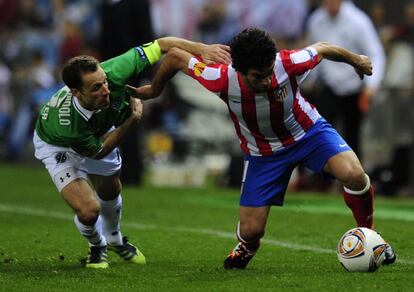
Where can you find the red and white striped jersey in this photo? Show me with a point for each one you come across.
(267, 122)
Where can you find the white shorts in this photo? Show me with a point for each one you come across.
(65, 165)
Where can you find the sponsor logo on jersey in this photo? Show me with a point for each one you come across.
(198, 68)
(61, 157)
(141, 53)
(310, 53)
(301, 56)
(281, 94)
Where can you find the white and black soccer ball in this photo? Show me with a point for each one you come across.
(361, 250)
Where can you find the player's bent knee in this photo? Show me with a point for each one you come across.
(252, 232)
(358, 179)
(88, 214)
(354, 175)
(109, 189)
(87, 217)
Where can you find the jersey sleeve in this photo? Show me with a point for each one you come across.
(298, 62)
(152, 51)
(119, 69)
(211, 77)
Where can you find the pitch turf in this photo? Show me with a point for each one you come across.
(185, 235)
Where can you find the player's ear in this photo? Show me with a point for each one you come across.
(75, 92)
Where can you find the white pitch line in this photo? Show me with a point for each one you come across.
(215, 233)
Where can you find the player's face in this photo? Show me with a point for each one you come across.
(94, 93)
(332, 6)
(259, 80)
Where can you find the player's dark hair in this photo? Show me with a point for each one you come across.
(75, 67)
(252, 49)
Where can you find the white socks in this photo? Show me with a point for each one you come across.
(91, 233)
(111, 212)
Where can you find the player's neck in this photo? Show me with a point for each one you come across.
(85, 105)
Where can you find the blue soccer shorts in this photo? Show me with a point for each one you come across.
(266, 178)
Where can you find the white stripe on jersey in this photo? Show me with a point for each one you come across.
(265, 122)
(262, 108)
(312, 113)
(235, 105)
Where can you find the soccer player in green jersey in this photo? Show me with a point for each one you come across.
(78, 131)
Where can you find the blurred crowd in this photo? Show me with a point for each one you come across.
(38, 36)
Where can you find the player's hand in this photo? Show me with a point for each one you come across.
(363, 66)
(136, 108)
(216, 54)
(144, 92)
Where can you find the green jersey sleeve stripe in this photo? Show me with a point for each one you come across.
(152, 51)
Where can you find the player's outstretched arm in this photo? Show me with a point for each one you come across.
(215, 53)
(362, 64)
(114, 138)
(174, 61)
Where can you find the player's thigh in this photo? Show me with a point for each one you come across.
(107, 187)
(62, 163)
(346, 167)
(80, 196)
(265, 180)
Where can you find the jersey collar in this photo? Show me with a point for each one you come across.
(85, 113)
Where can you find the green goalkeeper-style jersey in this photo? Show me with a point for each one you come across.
(64, 122)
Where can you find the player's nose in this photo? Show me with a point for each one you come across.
(106, 89)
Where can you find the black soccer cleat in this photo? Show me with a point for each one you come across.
(390, 255)
(238, 258)
(128, 252)
(97, 258)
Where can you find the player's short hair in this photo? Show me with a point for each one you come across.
(252, 49)
(75, 67)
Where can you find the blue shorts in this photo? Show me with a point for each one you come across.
(265, 178)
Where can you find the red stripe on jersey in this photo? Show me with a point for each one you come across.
(299, 68)
(215, 85)
(250, 116)
(300, 116)
(243, 141)
(277, 121)
(224, 95)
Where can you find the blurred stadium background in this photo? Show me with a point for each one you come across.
(173, 145)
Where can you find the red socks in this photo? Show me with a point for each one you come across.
(362, 207)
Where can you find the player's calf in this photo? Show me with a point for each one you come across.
(361, 203)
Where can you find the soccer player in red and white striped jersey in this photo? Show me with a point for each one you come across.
(277, 127)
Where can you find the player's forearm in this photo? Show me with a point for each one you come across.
(114, 138)
(173, 62)
(167, 43)
(336, 53)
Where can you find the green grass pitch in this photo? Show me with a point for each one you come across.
(185, 234)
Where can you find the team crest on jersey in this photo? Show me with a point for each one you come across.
(116, 104)
(281, 94)
(199, 68)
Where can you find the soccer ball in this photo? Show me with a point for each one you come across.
(361, 250)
